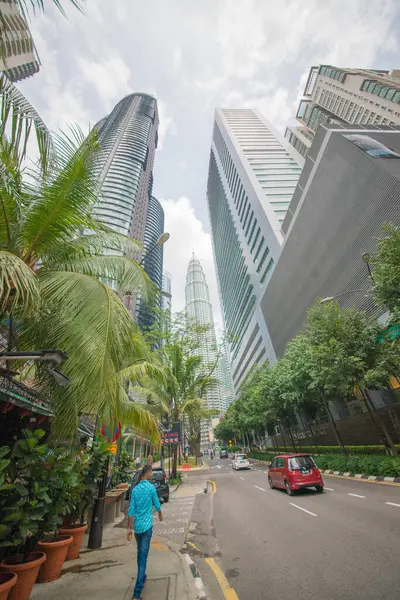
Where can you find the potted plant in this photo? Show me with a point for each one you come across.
(60, 476)
(23, 504)
(90, 470)
(7, 581)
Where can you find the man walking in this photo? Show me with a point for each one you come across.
(140, 516)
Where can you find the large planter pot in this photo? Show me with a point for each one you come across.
(56, 552)
(77, 532)
(7, 581)
(27, 573)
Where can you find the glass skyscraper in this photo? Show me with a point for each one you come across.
(253, 173)
(199, 309)
(128, 139)
(153, 263)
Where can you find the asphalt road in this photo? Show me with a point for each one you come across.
(340, 545)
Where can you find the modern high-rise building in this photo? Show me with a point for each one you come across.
(227, 389)
(253, 173)
(198, 308)
(349, 188)
(128, 139)
(20, 59)
(148, 312)
(339, 95)
(166, 292)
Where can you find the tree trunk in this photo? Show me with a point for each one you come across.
(134, 446)
(291, 435)
(335, 429)
(306, 430)
(283, 437)
(378, 421)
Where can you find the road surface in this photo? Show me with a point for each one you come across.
(340, 545)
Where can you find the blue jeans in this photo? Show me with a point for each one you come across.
(143, 547)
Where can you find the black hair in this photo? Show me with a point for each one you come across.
(145, 470)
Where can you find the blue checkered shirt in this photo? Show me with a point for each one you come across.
(143, 498)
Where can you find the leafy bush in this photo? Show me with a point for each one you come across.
(378, 450)
(382, 466)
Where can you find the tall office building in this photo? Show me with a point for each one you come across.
(166, 292)
(147, 312)
(128, 138)
(198, 308)
(252, 175)
(348, 189)
(20, 58)
(227, 389)
(336, 95)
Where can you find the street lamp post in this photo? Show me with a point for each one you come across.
(52, 356)
(164, 237)
(331, 298)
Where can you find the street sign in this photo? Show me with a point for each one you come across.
(172, 436)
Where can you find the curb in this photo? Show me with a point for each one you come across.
(198, 582)
(346, 474)
(361, 476)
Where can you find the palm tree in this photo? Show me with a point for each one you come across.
(54, 260)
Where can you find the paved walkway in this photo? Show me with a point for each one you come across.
(109, 573)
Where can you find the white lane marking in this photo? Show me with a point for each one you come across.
(266, 472)
(262, 489)
(356, 495)
(242, 478)
(392, 504)
(329, 489)
(303, 509)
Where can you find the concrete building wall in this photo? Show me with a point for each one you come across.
(343, 198)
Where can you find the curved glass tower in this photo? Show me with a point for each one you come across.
(128, 139)
(153, 261)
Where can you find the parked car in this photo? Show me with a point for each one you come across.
(224, 454)
(294, 472)
(159, 480)
(240, 461)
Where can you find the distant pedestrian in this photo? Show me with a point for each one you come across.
(137, 463)
(140, 521)
(150, 460)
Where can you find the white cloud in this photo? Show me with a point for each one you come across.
(110, 77)
(187, 236)
(167, 123)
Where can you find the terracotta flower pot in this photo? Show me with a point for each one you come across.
(26, 571)
(7, 581)
(77, 532)
(56, 552)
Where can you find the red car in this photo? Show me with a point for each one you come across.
(293, 472)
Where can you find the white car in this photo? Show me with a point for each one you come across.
(240, 461)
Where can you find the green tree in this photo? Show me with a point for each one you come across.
(54, 259)
(386, 273)
(187, 376)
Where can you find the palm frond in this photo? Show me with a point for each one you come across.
(64, 200)
(136, 372)
(17, 117)
(11, 196)
(88, 321)
(136, 415)
(35, 5)
(19, 286)
(121, 270)
(93, 244)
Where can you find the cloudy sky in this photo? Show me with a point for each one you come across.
(193, 56)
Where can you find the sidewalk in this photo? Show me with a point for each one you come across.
(109, 573)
